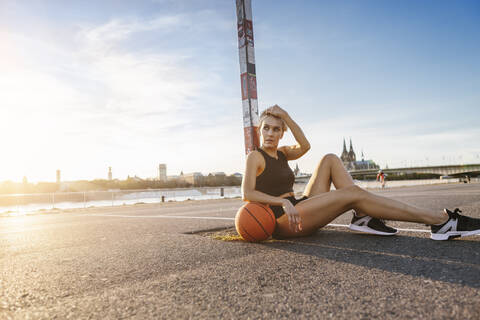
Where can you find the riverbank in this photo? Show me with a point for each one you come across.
(154, 198)
(408, 183)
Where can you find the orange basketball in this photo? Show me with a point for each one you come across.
(255, 221)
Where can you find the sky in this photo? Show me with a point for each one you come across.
(87, 85)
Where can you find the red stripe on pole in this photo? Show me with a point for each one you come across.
(248, 78)
(249, 86)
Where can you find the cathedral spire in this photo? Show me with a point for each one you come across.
(344, 155)
(296, 172)
(351, 154)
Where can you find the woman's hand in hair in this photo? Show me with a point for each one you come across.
(278, 112)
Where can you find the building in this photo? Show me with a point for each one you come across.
(365, 164)
(296, 172)
(173, 178)
(216, 178)
(194, 178)
(110, 173)
(58, 177)
(238, 175)
(178, 178)
(349, 159)
(162, 172)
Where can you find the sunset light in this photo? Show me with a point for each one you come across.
(239, 159)
(130, 90)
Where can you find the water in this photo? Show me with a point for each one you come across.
(26, 203)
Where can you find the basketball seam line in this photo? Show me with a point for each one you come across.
(248, 234)
(266, 233)
(261, 205)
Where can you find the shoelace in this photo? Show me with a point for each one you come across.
(452, 214)
(455, 213)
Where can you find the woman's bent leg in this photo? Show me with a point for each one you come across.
(320, 210)
(329, 170)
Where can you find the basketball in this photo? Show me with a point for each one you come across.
(255, 222)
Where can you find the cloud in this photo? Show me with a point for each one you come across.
(101, 39)
(105, 94)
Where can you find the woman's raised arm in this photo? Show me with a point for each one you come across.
(302, 146)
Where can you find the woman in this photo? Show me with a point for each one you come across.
(269, 179)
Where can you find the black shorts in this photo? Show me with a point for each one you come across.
(278, 210)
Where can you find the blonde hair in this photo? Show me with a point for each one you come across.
(265, 114)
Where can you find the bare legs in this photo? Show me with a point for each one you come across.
(323, 206)
(329, 170)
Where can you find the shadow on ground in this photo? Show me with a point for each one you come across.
(455, 261)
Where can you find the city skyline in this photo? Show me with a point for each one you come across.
(163, 175)
(158, 177)
(162, 168)
(90, 85)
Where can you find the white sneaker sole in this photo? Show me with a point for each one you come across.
(453, 234)
(367, 229)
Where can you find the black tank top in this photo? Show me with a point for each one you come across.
(277, 178)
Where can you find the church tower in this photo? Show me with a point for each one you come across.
(344, 155)
(296, 171)
(351, 154)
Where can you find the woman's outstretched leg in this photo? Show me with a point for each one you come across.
(320, 210)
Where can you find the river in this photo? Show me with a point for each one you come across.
(19, 204)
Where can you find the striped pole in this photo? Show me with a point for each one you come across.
(248, 78)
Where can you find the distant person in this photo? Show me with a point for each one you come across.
(381, 178)
(269, 179)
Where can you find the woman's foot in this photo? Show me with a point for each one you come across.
(371, 225)
(456, 226)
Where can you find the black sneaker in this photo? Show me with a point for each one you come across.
(456, 226)
(371, 225)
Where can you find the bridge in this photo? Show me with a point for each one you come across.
(457, 170)
(444, 170)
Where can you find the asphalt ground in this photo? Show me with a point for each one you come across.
(163, 261)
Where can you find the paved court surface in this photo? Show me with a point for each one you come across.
(150, 261)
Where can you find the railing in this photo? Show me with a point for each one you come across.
(24, 203)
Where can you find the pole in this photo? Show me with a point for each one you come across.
(248, 77)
